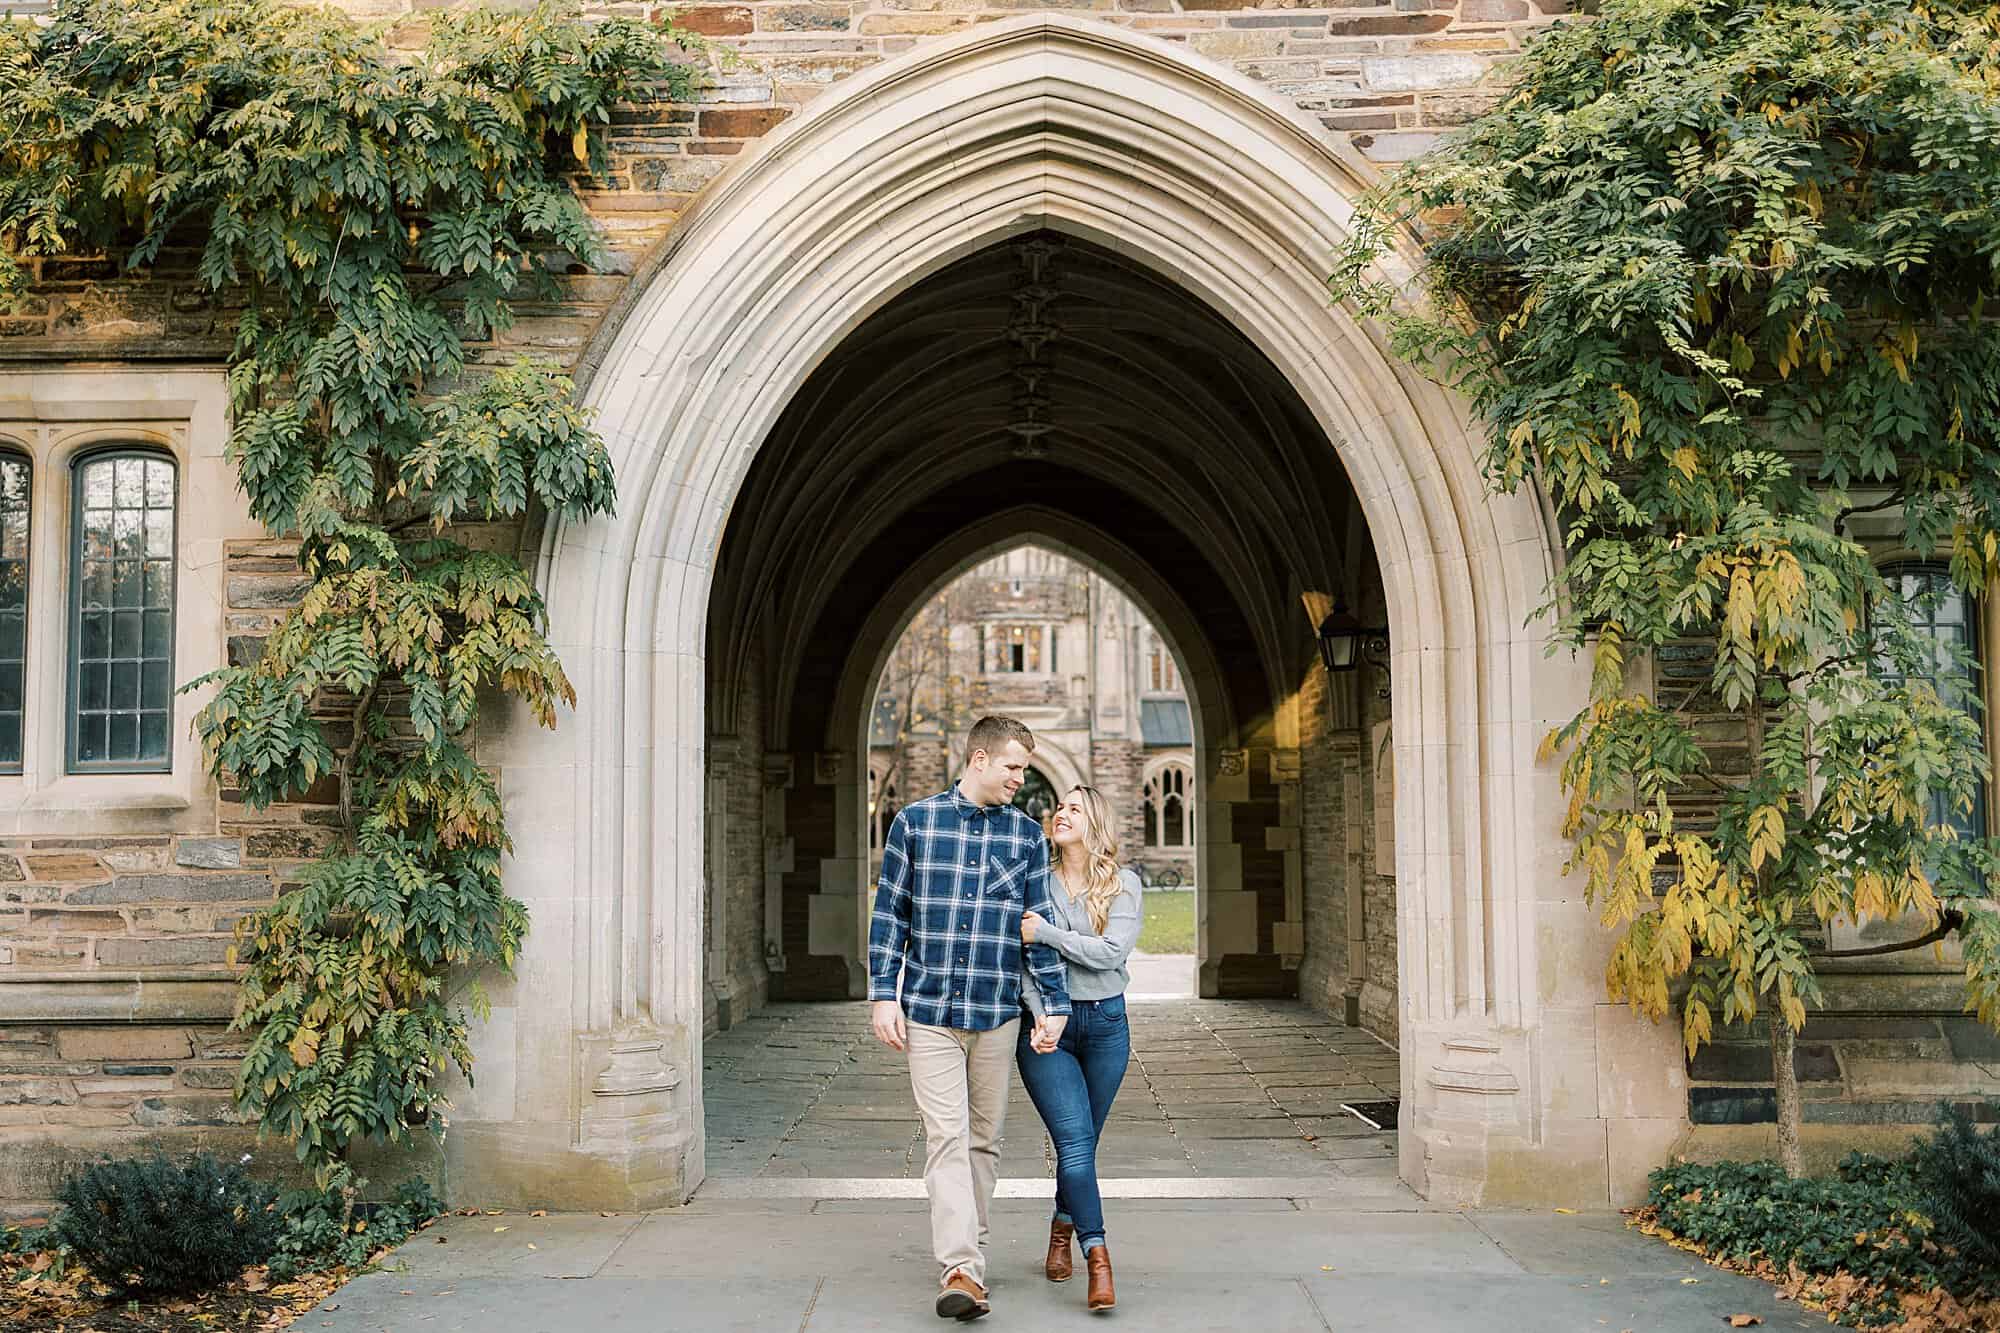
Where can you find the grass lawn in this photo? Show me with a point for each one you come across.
(1169, 924)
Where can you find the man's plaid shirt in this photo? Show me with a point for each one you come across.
(955, 879)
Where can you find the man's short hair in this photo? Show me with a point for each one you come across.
(991, 734)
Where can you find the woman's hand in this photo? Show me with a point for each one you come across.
(1030, 923)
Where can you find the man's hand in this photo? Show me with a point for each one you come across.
(887, 1020)
(1048, 1031)
(1030, 923)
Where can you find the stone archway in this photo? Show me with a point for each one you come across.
(1209, 703)
(1517, 1083)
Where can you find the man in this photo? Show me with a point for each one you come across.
(958, 869)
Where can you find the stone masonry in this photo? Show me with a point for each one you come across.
(114, 946)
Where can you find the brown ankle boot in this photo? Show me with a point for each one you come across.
(1057, 1266)
(1101, 1296)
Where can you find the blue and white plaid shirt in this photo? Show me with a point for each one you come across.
(956, 877)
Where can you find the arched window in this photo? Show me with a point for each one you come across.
(121, 642)
(1169, 800)
(16, 482)
(1942, 612)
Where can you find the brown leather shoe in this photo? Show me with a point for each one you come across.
(962, 1298)
(1097, 1260)
(1057, 1267)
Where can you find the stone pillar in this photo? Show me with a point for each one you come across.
(588, 1091)
(1226, 913)
(724, 758)
(1288, 936)
(838, 924)
(778, 856)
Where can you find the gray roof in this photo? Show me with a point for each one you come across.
(1165, 722)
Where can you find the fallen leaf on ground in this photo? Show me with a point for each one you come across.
(1567, 1212)
(498, 1230)
(539, 1212)
(1689, 1281)
(1744, 1320)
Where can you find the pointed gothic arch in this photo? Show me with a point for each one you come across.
(1517, 1082)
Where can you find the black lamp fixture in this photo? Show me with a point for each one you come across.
(1344, 641)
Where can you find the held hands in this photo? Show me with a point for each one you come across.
(1030, 923)
(886, 1017)
(1048, 1031)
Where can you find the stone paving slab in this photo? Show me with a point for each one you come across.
(567, 1245)
(1547, 1305)
(1312, 1265)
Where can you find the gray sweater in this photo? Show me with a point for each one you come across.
(1096, 961)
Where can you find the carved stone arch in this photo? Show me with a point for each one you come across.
(1517, 1083)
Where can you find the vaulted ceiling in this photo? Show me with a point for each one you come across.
(1051, 372)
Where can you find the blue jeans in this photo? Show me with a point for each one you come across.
(1072, 1087)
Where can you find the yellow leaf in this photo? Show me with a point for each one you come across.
(580, 143)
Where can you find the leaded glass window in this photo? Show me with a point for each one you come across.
(122, 618)
(1942, 612)
(15, 486)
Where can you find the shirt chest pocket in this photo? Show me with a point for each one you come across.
(1006, 877)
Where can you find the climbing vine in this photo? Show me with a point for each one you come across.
(1715, 276)
(375, 213)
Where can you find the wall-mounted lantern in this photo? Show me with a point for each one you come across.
(1344, 642)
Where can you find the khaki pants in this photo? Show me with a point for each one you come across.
(960, 1082)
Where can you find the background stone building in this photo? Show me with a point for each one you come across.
(916, 282)
(1035, 635)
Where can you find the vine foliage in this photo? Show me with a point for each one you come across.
(1714, 275)
(377, 214)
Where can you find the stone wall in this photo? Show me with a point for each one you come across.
(1339, 777)
(1116, 767)
(115, 955)
(1386, 74)
(738, 981)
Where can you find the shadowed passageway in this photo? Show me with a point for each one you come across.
(1223, 1088)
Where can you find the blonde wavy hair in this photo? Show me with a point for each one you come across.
(1100, 844)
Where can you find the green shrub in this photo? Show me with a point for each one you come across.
(1958, 1169)
(320, 1225)
(153, 1224)
(1876, 1219)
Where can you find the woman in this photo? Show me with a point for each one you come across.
(1073, 1080)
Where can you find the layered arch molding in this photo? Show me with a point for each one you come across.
(1181, 170)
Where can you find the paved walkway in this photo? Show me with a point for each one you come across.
(1274, 1265)
(1239, 1197)
(1216, 1088)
